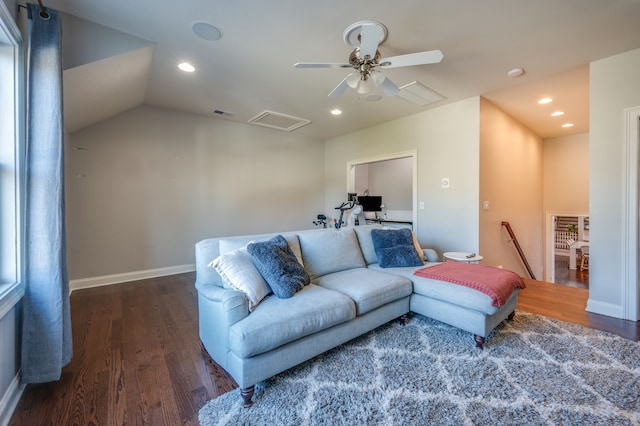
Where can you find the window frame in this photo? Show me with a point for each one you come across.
(12, 185)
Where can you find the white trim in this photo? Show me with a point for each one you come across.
(129, 276)
(629, 258)
(603, 308)
(11, 205)
(385, 157)
(10, 400)
(10, 298)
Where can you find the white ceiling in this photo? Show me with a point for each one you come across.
(250, 69)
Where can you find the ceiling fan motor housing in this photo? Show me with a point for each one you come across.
(355, 60)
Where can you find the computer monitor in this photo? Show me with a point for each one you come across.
(370, 203)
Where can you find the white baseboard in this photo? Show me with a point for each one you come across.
(603, 308)
(129, 276)
(10, 400)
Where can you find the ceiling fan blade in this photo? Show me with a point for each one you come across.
(420, 58)
(340, 88)
(389, 88)
(370, 36)
(320, 65)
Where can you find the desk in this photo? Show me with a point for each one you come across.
(572, 252)
(459, 256)
(393, 223)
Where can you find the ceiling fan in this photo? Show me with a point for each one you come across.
(365, 59)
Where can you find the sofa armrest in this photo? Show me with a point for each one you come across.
(219, 309)
(431, 255)
(231, 304)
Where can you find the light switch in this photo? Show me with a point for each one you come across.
(421, 205)
(485, 205)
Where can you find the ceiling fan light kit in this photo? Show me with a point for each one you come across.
(365, 58)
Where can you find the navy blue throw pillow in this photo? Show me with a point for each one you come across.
(279, 266)
(394, 248)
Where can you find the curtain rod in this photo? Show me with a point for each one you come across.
(44, 14)
(43, 11)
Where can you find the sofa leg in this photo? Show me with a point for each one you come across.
(404, 319)
(479, 341)
(247, 394)
(511, 316)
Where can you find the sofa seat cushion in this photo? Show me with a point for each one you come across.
(276, 322)
(442, 290)
(368, 288)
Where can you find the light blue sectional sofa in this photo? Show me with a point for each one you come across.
(349, 295)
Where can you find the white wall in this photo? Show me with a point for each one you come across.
(156, 181)
(361, 179)
(614, 86)
(511, 181)
(446, 139)
(566, 174)
(393, 180)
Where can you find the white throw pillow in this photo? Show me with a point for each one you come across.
(239, 273)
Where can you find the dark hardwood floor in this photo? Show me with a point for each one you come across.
(571, 277)
(138, 359)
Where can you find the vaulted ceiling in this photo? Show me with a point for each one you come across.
(120, 54)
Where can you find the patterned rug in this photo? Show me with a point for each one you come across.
(534, 371)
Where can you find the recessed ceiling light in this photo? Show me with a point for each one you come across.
(567, 125)
(186, 67)
(545, 101)
(557, 113)
(206, 31)
(336, 111)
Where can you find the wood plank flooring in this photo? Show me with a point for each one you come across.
(138, 359)
(572, 277)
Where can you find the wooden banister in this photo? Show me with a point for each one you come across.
(518, 248)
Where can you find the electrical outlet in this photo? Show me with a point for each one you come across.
(485, 205)
(421, 205)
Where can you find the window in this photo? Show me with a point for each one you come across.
(11, 154)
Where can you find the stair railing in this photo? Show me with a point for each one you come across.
(513, 238)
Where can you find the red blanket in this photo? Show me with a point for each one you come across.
(494, 282)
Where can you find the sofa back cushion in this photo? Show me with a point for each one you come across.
(366, 244)
(330, 250)
(210, 248)
(234, 243)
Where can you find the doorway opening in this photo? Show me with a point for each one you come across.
(568, 249)
(389, 176)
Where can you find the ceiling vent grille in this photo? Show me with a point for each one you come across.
(419, 94)
(275, 120)
(224, 113)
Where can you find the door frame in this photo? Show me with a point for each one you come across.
(630, 225)
(413, 154)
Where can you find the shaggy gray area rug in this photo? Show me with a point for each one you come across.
(534, 370)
